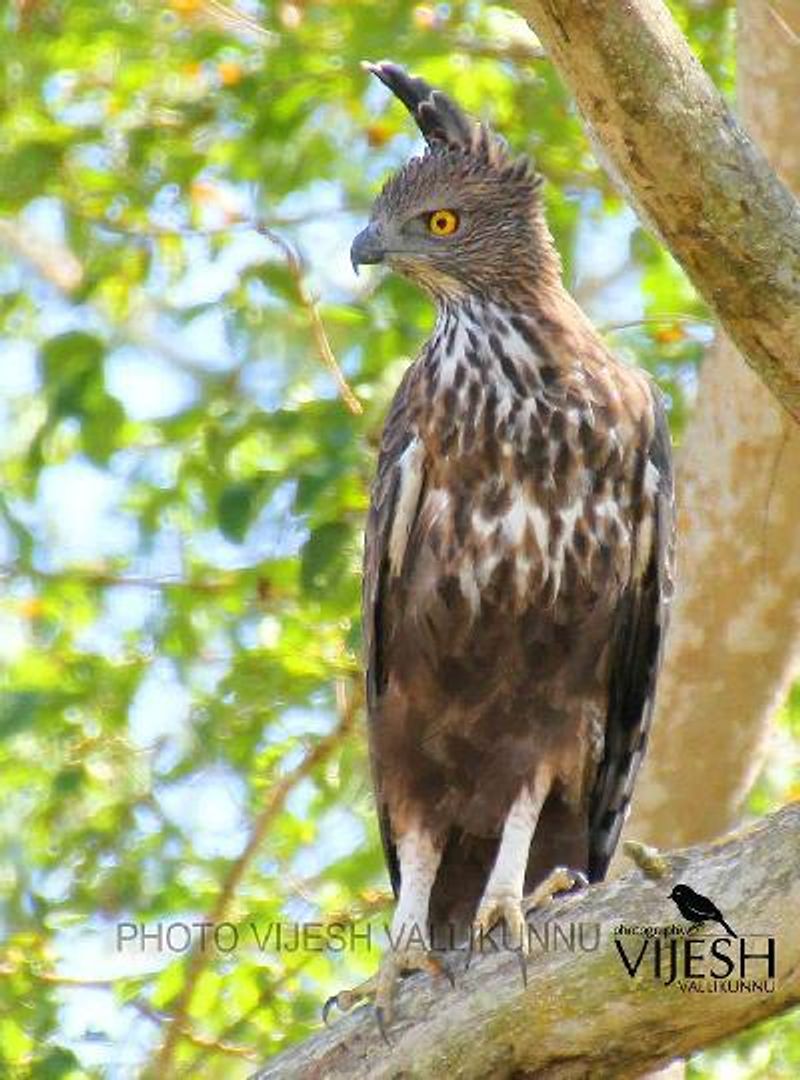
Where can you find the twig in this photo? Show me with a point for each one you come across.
(294, 264)
(520, 52)
(56, 263)
(230, 18)
(265, 998)
(206, 1043)
(793, 36)
(152, 231)
(70, 983)
(203, 1042)
(65, 274)
(199, 958)
(105, 578)
(694, 320)
(587, 289)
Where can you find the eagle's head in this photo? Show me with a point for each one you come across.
(466, 217)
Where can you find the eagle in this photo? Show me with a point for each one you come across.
(518, 556)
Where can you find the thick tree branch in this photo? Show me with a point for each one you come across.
(690, 169)
(734, 641)
(582, 1015)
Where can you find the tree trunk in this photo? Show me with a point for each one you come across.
(689, 168)
(695, 178)
(734, 642)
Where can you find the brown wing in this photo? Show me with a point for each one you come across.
(640, 629)
(396, 495)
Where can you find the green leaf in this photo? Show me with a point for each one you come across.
(236, 509)
(324, 558)
(23, 170)
(18, 711)
(72, 370)
(58, 1064)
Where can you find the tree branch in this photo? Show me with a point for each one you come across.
(689, 168)
(581, 1014)
(734, 639)
(294, 263)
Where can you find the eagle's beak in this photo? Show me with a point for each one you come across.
(367, 247)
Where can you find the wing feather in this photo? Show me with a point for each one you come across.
(637, 648)
(396, 496)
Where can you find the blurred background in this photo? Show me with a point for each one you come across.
(192, 384)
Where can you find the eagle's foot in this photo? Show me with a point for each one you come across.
(559, 880)
(395, 964)
(493, 908)
(649, 859)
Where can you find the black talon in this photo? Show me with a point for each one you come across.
(523, 963)
(447, 971)
(381, 1022)
(326, 1008)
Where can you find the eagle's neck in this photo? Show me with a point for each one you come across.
(480, 343)
(499, 379)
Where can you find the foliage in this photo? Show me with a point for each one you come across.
(183, 487)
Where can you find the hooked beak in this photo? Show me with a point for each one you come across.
(367, 248)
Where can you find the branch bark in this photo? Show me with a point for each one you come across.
(689, 168)
(581, 1014)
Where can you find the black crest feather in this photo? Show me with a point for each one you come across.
(447, 127)
(438, 117)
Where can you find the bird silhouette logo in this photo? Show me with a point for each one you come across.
(698, 909)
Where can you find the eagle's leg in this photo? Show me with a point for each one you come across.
(419, 857)
(409, 944)
(502, 898)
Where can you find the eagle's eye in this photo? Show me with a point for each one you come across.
(443, 222)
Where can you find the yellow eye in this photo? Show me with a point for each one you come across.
(443, 222)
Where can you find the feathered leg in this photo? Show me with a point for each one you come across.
(503, 896)
(409, 942)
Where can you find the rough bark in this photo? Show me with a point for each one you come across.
(690, 169)
(581, 1014)
(733, 644)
